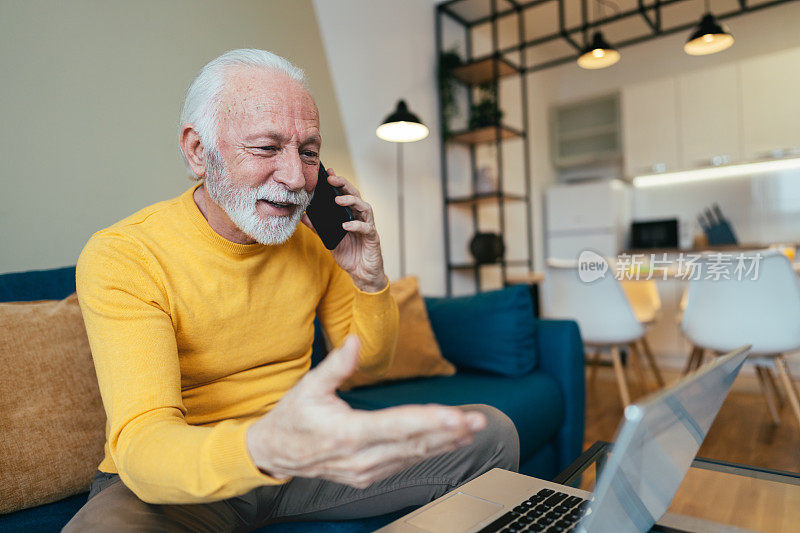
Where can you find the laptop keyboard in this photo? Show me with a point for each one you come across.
(547, 510)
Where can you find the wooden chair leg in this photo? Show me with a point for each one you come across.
(594, 364)
(622, 383)
(771, 380)
(637, 366)
(791, 390)
(701, 354)
(768, 395)
(690, 360)
(652, 361)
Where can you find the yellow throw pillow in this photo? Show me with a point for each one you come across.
(52, 423)
(417, 353)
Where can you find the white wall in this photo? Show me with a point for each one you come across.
(381, 51)
(90, 100)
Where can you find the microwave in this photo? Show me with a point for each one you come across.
(654, 234)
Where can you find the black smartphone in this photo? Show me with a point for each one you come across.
(325, 214)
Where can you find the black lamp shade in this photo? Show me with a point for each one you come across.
(402, 114)
(709, 38)
(599, 54)
(402, 126)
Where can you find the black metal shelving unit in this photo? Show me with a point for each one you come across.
(488, 69)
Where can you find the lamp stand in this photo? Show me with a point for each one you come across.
(401, 210)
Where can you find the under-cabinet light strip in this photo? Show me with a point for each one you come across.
(727, 171)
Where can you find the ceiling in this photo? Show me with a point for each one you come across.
(542, 22)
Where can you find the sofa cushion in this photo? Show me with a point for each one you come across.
(52, 423)
(49, 517)
(542, 464)
(54, 516)
(492, 331)
(417, 353)
(533, 402)
(361, 525)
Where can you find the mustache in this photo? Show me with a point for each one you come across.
(284, 196)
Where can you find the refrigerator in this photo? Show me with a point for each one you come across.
(593, 215)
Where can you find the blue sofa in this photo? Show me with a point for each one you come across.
(546, 404)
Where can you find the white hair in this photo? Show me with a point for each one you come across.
(201, 103)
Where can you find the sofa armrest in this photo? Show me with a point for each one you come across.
(560, 350)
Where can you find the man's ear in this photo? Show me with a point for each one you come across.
(193, 149)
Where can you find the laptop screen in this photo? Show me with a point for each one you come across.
(655, 448)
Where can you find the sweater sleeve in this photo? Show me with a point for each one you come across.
(158, 455)
(373, 317)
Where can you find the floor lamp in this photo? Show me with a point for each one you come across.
(402, 126)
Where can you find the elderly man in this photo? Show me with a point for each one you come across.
(200, 312)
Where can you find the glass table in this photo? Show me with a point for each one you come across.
(714, 496)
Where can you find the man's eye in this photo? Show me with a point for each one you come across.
(308, 153)
(268, 148)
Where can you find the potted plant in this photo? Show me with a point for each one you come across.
(485, 112)
(448, 84)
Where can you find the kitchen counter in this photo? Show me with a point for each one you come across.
(710, 248)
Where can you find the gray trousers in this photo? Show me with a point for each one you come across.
(113, 507)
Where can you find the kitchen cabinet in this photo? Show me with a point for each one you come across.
(586, 132)
(771, 104)
(736, 112)
(710, 128)
(650, 127)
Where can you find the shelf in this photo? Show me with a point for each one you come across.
(471, 266)
(483, 70)
(485, 197)
(530, 278)
(485, 135)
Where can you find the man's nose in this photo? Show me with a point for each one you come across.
(290, 173)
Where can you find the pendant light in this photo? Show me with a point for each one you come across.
(598, 53)
(402, 126)
(709, 37)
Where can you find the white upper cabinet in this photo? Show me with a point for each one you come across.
(586, 132)
(650, 127)
(771, 104)
(710, 129)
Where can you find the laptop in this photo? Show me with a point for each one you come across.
(653, 450)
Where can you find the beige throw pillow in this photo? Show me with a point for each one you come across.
(52, 421)
(417, 353)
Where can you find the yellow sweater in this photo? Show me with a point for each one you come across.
(194, 337)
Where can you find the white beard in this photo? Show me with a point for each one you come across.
(240, 204)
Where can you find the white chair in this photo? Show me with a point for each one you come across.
(602, 312)
(761, 309)
(646, 303)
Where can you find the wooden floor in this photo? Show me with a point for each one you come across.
(742, 433)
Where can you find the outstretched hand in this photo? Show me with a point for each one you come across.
(313, 433)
